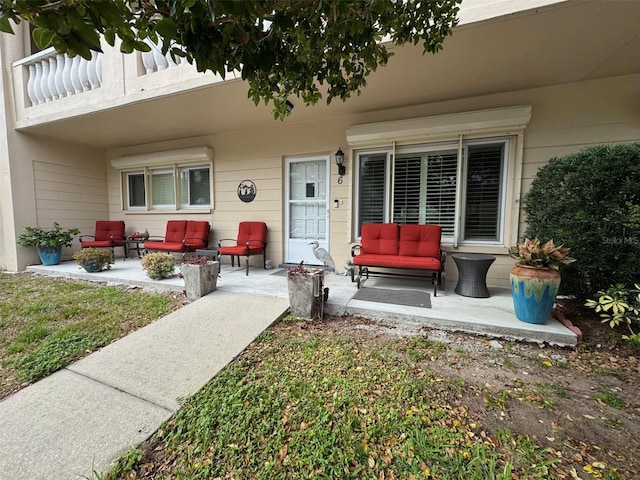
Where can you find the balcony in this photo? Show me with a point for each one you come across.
(49, 86)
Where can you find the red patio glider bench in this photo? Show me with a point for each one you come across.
(182, 236)
(390, 246)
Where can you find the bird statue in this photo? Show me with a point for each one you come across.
(322, 255)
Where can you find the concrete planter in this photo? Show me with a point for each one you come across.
(305, 291)
(200, 280)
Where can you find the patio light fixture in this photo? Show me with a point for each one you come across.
(340, 162)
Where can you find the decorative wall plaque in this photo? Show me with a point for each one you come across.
(247, 191)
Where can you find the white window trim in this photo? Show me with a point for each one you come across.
(174, 160)
(461, 184)
(483, 125)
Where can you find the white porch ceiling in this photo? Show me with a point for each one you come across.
(555, 44)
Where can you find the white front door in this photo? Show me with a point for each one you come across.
(307, 212)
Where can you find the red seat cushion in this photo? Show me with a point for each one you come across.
(196, 234)
(256, 232)
(420, 240)
(165, 246)
(397, 261)
(379, 238)
(105, 229)
(234, 250)
(175, 231)
(97, 244)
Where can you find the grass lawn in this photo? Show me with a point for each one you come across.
(329, 400)
(47, 323)
(345, 398)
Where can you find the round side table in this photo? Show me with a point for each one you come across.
(472, 274)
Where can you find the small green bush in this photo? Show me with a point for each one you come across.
(617, 306)
(590, 202)
(93, 259)
(158, 265)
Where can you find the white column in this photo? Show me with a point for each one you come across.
(66, 76)
(75, 74)
(92, 72)
(59, 73)
(30, 85)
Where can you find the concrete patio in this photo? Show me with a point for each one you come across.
(491, 317)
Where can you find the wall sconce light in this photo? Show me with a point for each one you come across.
(340, 162)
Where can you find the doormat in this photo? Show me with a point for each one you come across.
(410, 298)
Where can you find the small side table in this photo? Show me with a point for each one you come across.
(472, 274)
(207, 252)
(136, 243)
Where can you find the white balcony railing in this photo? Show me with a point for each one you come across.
(53, 76)
(155, 61)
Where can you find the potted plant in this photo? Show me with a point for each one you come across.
(49, 243)
(306, 290)
(535, 279)
(158, 265)
(200, 276)
(93, 259)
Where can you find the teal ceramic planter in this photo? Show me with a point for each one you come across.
(49, 255)
(534, 292)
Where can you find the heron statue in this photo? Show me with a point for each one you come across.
(322, 255)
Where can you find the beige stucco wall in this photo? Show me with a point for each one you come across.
(564, 119)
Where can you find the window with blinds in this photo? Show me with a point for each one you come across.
(440, 185)
(162, 189)
(483, 191)
(371, 194)
(422, 187)
(408, 194)
(158, 188)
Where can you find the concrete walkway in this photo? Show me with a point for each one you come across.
(84, 417)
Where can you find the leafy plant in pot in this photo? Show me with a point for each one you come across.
(49, 243)
(200, 276)
(535, 279)
(93, 259)
(305, 287)
(158, 265)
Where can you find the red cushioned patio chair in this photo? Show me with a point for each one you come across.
(252, 240)
(182, 236)
(108, 234)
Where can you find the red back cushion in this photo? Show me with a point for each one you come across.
(420, 240)
(380, 238)
(106, 229)
(197, 234)
(176, 230)
(251, 231)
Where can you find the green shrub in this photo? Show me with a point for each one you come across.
(158, 265)
(590, 202)
(617, 306)
(93, 259)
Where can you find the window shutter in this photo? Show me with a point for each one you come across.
(483, 193)
(372, 188)
(162, 189)
(441, 190)
(406, 189)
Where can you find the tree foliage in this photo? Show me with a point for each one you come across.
(282, 48)
(590, 202)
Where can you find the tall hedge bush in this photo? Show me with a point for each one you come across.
(590, 202)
